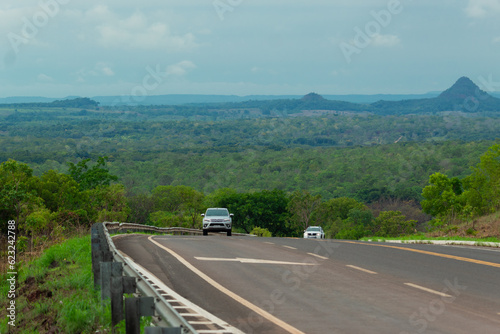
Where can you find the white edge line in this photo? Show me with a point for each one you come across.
(362, 269)
(289, 247)
(428, 290)
(256, 309)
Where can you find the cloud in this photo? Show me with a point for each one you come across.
(44, 78)
(385, 40)
(482, 8)
(180, 68)
(137, 32)
(100, 69)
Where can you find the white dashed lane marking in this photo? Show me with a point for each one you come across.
(362, 269)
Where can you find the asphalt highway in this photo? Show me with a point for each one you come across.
(281, 285)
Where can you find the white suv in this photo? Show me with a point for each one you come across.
(217, 220)
(315, 232)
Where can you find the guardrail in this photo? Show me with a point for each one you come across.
(129, 227)
(116, 275)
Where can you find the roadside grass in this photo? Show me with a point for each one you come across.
(55, 293)
(482, 230)
(426, 237)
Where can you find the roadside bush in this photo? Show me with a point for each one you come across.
(261, 232)
(393, 224)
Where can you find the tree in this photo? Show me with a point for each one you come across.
(106, 203)
(393, 224)
(58, 191)
(91, 177)
(301, 207)
(17, 194)
(270, 211)
(442, 198)
(141, 206)
(483, 185)
(332, 215)
(357, 224)
(192, 205)
(265, 209)
(182, 200)
(38, 225)
(217, 197)
(334, 208)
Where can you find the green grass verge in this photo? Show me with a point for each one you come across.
(424, 237)
(55, 293)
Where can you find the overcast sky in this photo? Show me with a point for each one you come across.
(58, 48)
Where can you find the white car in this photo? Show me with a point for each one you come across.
(314, 232)
(217, 220)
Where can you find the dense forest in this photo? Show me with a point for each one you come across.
(363, 156)
(49, 205)
(356, 172)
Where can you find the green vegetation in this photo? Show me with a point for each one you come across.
(278, 165)
(71, 103)
(261, 232)
(56, 293)
(424, 236)
(451, 199)
(50, 207)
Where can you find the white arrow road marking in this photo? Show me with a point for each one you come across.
(258, 261)
(253, 307)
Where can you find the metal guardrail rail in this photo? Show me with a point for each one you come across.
(170, 317)
(117, 275)
(140, 228)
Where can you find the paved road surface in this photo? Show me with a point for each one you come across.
(280, 285)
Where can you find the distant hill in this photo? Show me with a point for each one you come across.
(290, 106)
(464, 96)
(180, 99)
(312, 97)
(26, 99)
(79, 102)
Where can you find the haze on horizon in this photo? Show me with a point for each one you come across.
(59, 48)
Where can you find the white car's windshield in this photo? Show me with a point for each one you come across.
(216, 212)
(313, 229)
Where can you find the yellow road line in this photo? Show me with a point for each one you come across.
(459, 258)
(229, 293)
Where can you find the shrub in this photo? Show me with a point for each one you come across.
(261, 232)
